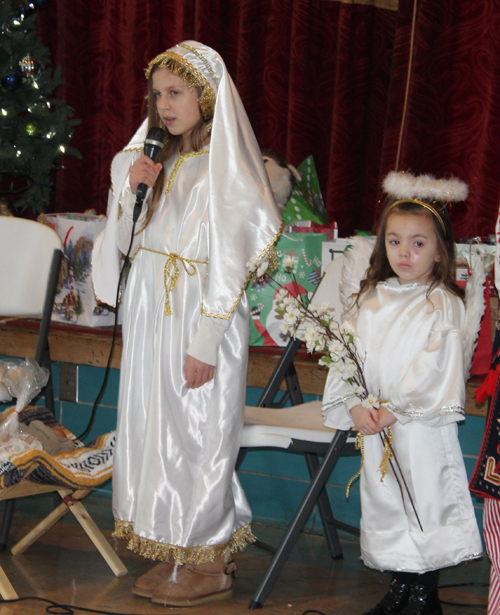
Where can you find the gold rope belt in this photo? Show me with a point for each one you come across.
(384, 464)
(171, 271)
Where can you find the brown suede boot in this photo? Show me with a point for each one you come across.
(145, 585)
(196, 584)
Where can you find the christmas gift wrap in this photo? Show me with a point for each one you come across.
(75, 301)
(306, 202)
(333, 249)
(299, 271)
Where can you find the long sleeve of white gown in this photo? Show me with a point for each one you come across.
(207, 339)
(125, 221)
(338, 400)
(433, 390)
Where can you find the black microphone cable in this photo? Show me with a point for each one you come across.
(93, 414)
(152, 147)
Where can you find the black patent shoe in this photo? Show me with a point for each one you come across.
(422, 601)
(394, 601)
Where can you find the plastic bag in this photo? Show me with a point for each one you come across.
(23, 380)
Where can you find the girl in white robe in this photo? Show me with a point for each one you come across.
(210, 213)
(408, 319)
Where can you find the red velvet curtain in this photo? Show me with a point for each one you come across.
(452, 124)
(317, 77)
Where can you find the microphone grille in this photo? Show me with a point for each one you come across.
(156, 134)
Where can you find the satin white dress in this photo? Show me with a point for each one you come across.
(412, 347)
(176, 495)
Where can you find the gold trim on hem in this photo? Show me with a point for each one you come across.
(249, 276)
(202, 554)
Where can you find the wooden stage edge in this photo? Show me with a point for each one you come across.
(91, 346)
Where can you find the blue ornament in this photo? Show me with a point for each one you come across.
(12, 81)
(22, 8)
(26, 11)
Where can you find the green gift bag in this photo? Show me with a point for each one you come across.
(306, 202)
(299, 270)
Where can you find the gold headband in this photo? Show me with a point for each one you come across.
(188, 73)
(423, 204)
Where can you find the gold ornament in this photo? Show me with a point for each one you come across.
(29, 67)
(31, 129)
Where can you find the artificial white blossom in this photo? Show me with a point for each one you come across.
(253, 263)
(284, 327)
(336, 348)
(334, 326)
(371, 402)
(348, 370)
(290, 317)
(322, 334)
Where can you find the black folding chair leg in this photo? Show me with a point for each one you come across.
(298, 522)
(7, 520)
(325, 511)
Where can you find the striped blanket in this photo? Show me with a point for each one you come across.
(84, 467)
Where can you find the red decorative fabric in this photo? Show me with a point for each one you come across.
(487, 389)
(317, 77)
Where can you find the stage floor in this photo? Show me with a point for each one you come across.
(63, 566)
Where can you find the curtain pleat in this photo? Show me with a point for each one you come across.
(317, 77)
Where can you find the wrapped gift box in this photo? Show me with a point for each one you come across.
(299, 270)
(306, 202)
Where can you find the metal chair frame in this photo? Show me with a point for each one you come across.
(341, 445)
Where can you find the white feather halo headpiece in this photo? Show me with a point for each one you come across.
(404, 185)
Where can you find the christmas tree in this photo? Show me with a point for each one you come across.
(35, 127)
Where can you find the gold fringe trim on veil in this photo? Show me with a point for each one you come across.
(181, 555)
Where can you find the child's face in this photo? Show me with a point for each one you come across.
(177, 104)
(412, 246)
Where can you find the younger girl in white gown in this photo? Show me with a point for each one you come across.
(408, 318)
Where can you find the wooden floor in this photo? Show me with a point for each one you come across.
(63, 566)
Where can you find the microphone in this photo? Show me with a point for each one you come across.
(152, 148)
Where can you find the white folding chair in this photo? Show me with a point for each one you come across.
(299, 427)
(30, 260)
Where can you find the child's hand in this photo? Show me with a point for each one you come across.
(366, 420)
(197, 373)
(144, 171)
(386, 418)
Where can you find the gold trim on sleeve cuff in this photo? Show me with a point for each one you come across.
(238, 299)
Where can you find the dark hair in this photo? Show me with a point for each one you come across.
(199, 135)
(443, 271)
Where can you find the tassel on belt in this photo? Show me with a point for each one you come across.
(171, 271)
